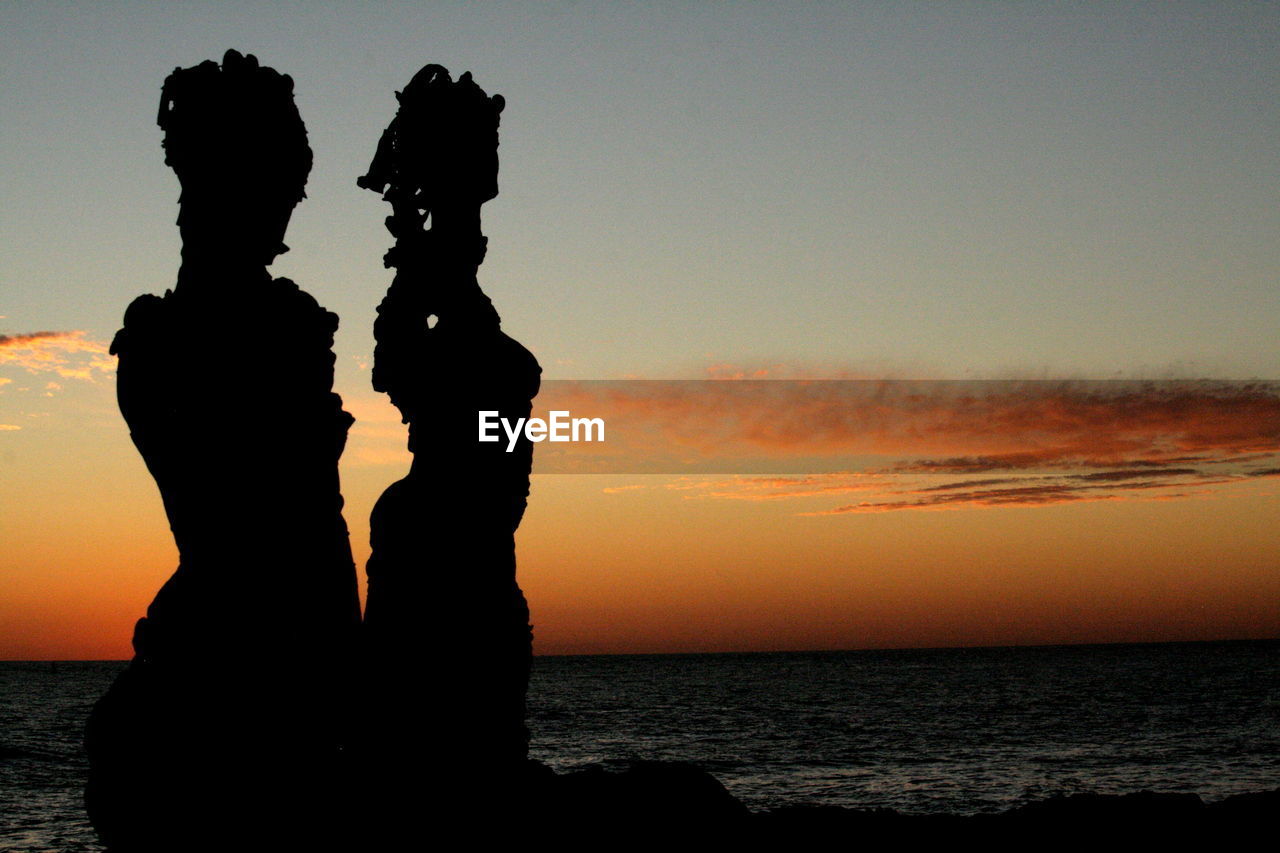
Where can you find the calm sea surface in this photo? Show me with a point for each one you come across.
(960, 730)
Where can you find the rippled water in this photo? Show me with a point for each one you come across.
(921, 731)
(959, 730)
(43, 708)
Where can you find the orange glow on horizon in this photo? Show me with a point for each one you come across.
(616, 564)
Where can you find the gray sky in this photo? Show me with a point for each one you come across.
(941, 189)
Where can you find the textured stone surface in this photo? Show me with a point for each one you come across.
(229, 718)
(447, 634)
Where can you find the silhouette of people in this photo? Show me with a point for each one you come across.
(448, 641)
(229, 718)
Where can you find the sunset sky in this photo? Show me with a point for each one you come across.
(1023, 196)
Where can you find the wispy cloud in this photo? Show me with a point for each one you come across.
(887, 493)
(1045, 494)
(614, 490)
(930, 427)
(70, 355)
(781, 488)
(1039, 443)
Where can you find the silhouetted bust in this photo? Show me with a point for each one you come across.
(229, 716)
(447, 627)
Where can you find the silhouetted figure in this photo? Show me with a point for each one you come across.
(448, 642)
(226, 724)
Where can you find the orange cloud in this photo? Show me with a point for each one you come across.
(783, 488)
(1040, 443)
(921, 426)
(1052, 490)
(70, 355)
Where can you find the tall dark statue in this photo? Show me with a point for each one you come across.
(447, 627)
(227, 721)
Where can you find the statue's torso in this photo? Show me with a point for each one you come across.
(234, 414)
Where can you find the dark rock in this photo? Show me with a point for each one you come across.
(447, 639)
(228, 722)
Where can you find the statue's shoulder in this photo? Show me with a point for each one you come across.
(287, 299)
(521, 365)
(144, 317)
(525, 356)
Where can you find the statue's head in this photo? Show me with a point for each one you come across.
(233, 135)
(442, 147)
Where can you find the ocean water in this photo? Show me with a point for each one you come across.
(959, 730)
(43, 708)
